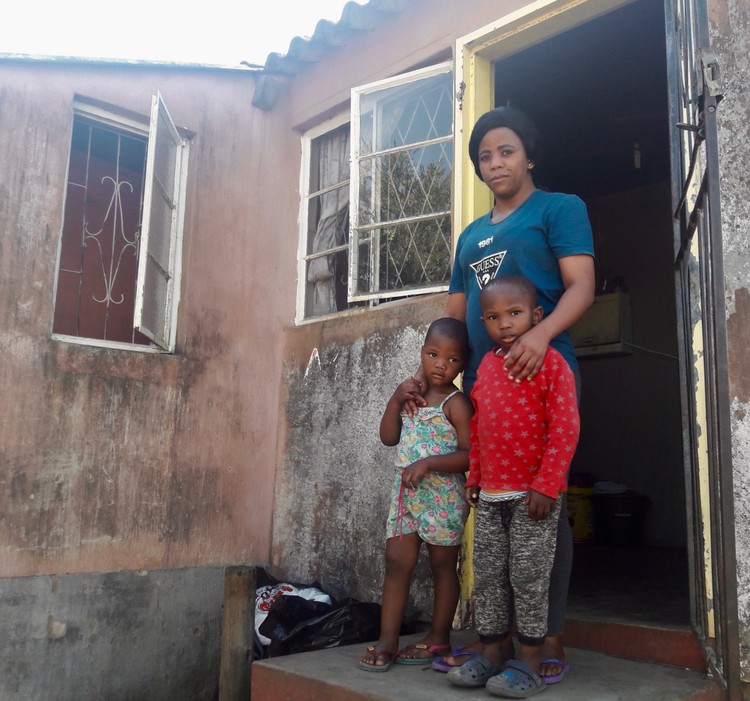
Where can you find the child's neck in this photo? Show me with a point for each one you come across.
(435, 394)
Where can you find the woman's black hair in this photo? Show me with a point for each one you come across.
(512, 119)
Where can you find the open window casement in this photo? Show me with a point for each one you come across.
(158, 285)
(401, 171)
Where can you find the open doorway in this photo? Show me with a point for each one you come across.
(599, 94)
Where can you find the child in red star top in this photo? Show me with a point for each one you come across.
(523, 437)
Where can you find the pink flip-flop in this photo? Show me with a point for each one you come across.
(434, 651)
(555, 678)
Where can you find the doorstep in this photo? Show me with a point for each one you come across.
(333, 675)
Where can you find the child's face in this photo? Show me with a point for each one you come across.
(507, 313)
(442, 359)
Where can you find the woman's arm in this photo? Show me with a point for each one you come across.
(527, 353)
(456, 306)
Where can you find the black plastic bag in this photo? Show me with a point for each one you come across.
(295, 624)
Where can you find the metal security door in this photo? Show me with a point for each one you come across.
(695, 93)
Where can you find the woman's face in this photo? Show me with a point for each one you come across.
(503, 163)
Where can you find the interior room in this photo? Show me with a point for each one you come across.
(598, 93)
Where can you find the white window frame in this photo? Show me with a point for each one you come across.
(163, 339)
(304, 216)
(354, 188)
(169, 271)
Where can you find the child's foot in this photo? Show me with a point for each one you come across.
(422, 653)
(465, 653)
(377, 659)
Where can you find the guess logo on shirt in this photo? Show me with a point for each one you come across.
(486, 269)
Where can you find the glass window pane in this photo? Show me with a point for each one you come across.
(415, 254)
(327, 280)
(364, 267)
(405, 184)
(155, 289)
(407, 114)
(99, 247)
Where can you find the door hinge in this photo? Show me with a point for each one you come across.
(460, 94)
(711, 79)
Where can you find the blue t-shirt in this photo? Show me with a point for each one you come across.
(547, 226)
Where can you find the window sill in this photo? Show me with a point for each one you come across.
(109, 345)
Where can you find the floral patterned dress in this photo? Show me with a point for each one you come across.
(435, 509)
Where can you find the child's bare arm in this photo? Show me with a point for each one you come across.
(457, 461)
(390, 423)
(458, 410)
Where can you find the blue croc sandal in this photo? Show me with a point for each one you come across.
(473, 673)
(516, 681)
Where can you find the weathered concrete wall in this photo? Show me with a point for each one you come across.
(124, 460)
(117, 635)
(334, 476)
(333, 487)
(730, 39)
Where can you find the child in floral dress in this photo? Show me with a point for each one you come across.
(428, 496)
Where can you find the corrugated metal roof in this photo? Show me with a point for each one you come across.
(355, 18)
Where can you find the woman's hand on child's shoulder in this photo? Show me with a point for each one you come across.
(412, 404)
(409, 395)
(526, 356)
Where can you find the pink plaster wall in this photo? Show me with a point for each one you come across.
(125, 460)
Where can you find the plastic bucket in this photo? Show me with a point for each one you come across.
(581, 513)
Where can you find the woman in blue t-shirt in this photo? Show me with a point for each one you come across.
(545, 237)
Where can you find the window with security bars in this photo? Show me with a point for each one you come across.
(119, 267)
(402, 134)
(324, 252)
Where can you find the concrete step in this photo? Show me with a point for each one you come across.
(333, 675)
(671, 645)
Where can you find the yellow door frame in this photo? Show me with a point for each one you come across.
(475, 57)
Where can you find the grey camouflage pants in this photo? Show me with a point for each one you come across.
(513, 552)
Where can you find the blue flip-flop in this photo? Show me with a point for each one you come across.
(440, 665)
(556, 678)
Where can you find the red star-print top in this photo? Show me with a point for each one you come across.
(523, 435)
